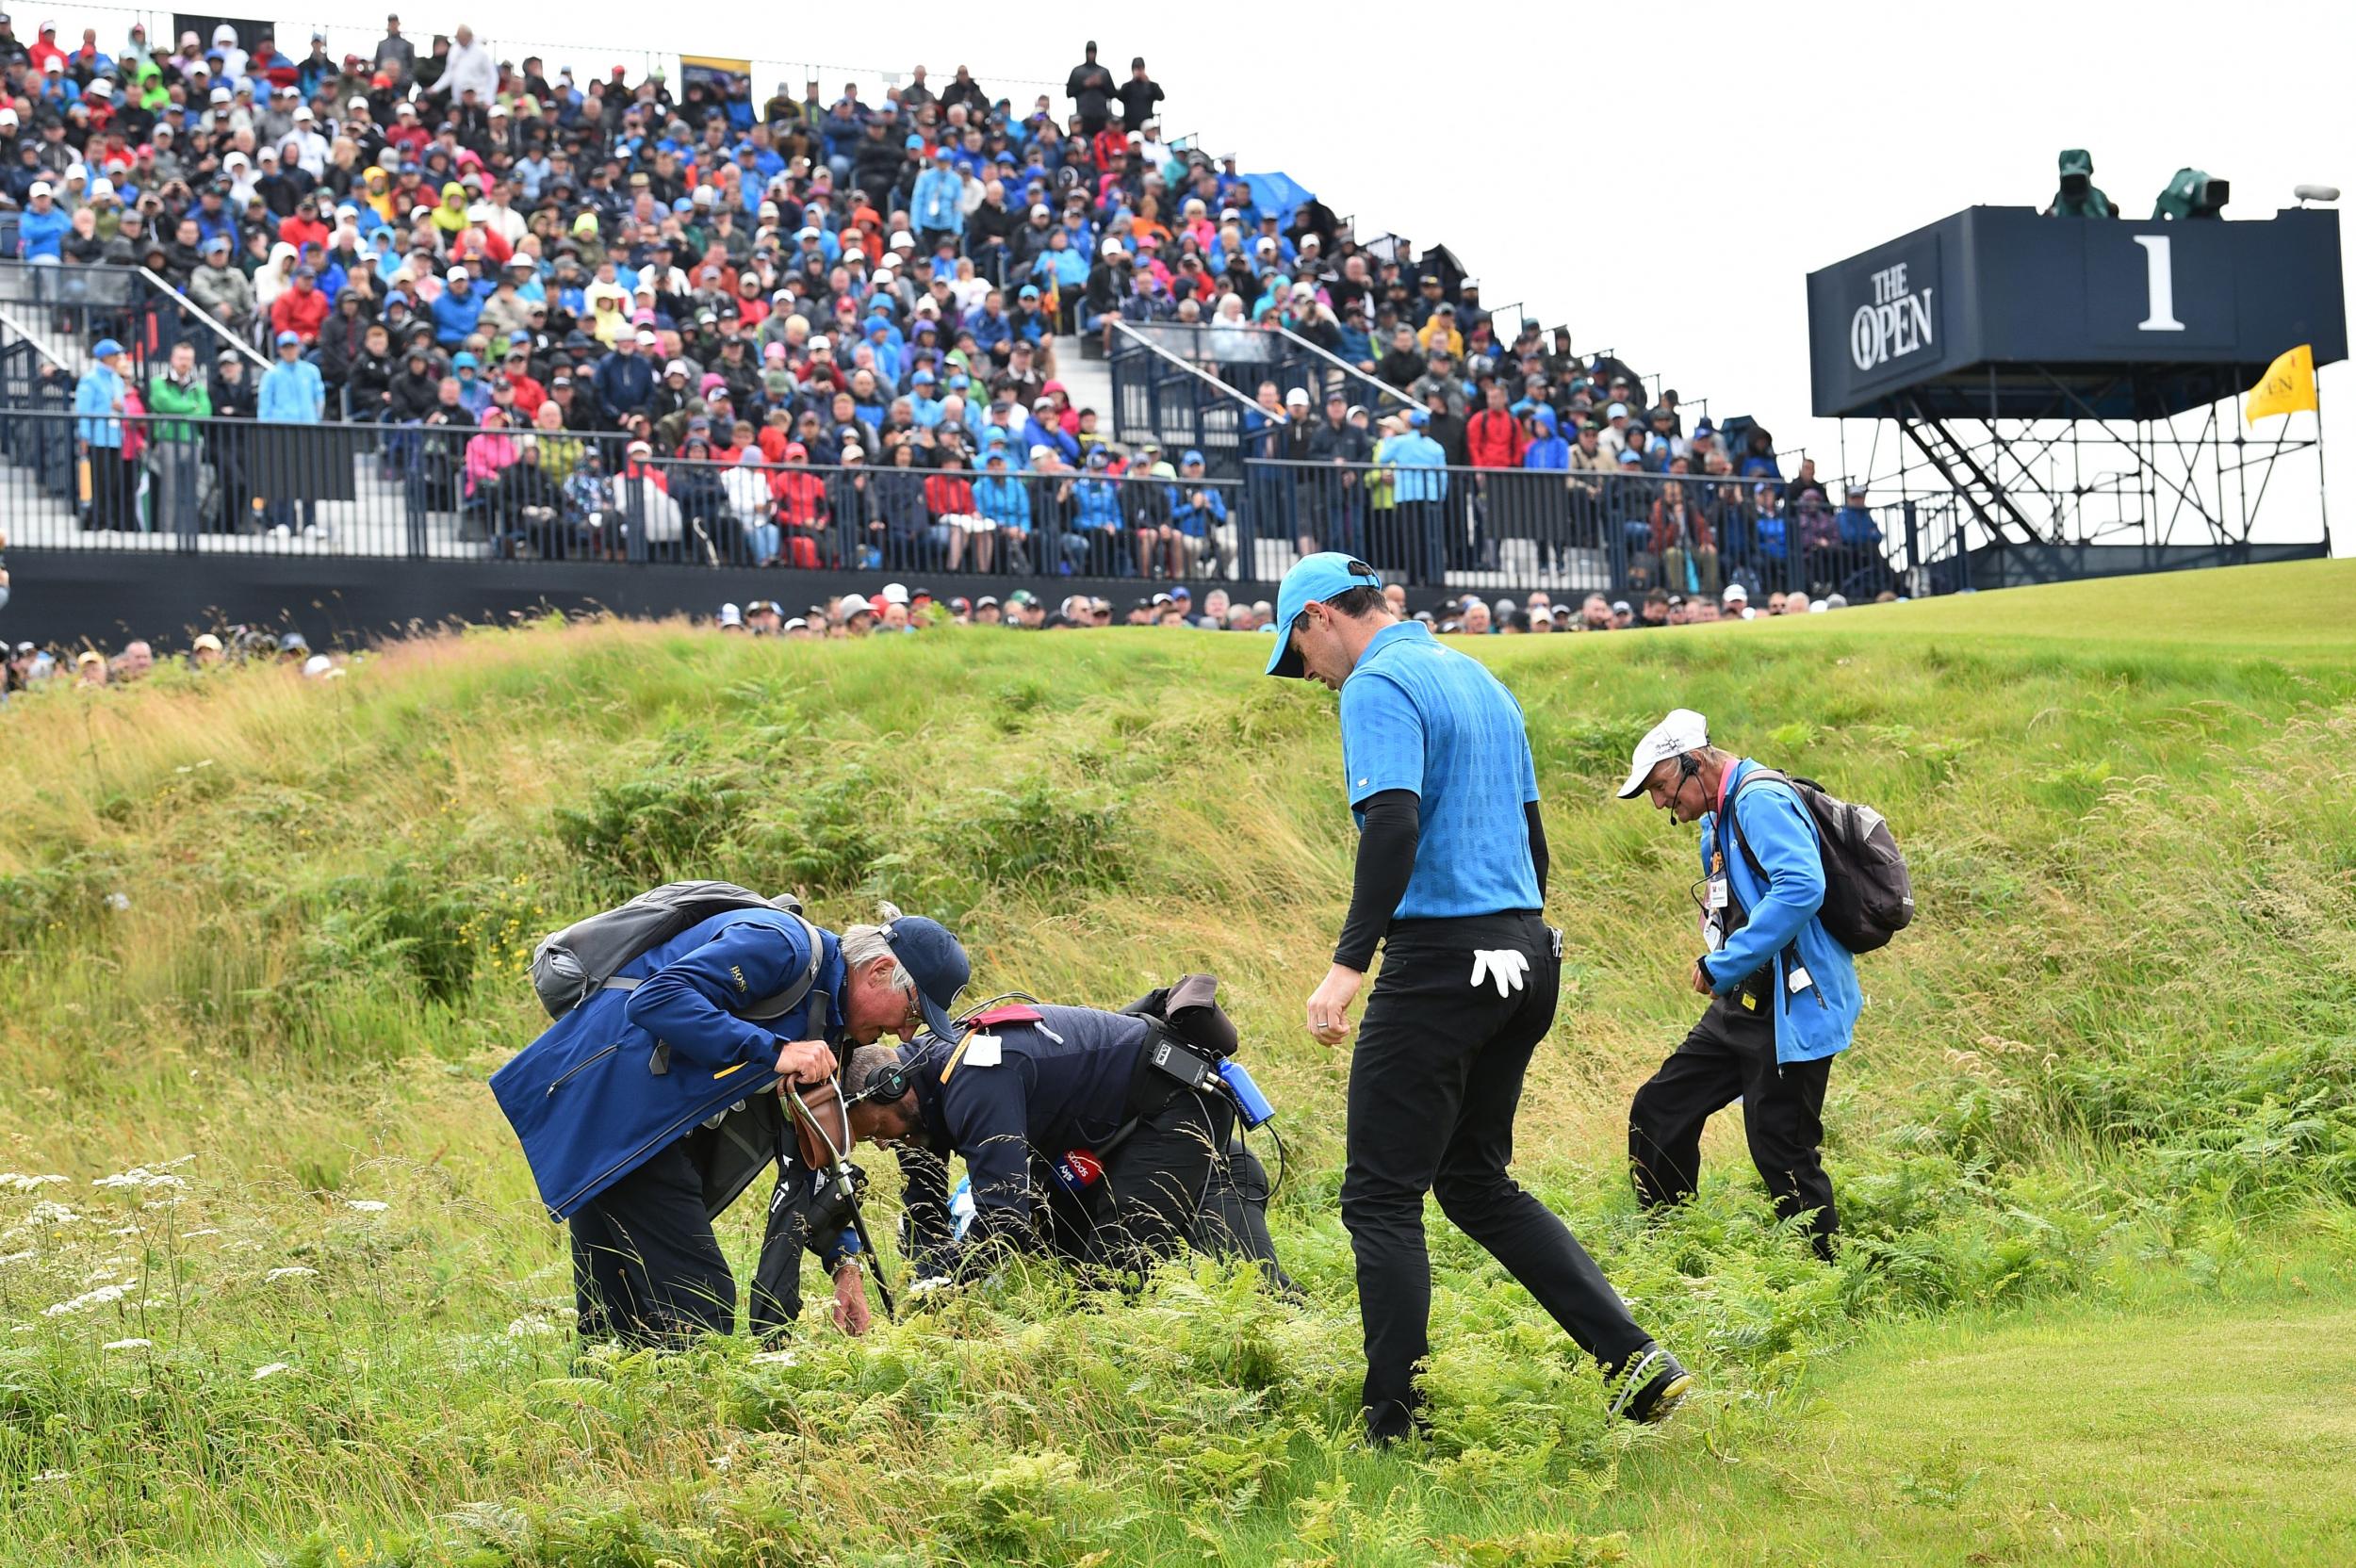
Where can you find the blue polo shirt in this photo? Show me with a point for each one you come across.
(1422, 717)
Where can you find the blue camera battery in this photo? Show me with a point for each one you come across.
(1254, 1105)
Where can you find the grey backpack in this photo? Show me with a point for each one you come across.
(574, 964)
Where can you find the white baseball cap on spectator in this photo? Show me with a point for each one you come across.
(1818, 606)
(1229, 215)
(731, 615)
(639, 449)
(459, 274)
(1683, 731)
(896, 593)
(356, 105)
(218, 95)
(102, 188)
(904, 241)
(852, 450)
(1735, 593)
(820, 345)
(237, 160)
(1297, 397)
(679, 367)
(39, 188)
(646, 339)
(1112, 247)
(1039, 210)
(1618, 410)
(850, 605)
(99, 89)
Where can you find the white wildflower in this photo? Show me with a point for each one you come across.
(117, 901)
(103, 1296)
(46, 1213)
(776, 1357)
(524, 1327)
(53, 1476)
(128, 1345)
(139, 1176)
(16, 1182)
(271, 1370)
(366, 1205)
(191, 1236)
(293, 1272)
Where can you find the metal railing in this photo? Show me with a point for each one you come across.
(1451, 526)
(150, 482)
(454, 492)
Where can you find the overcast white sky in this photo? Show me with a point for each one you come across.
(1661, 177)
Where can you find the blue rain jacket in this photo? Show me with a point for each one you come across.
(585, 1098)
(1820, 1020)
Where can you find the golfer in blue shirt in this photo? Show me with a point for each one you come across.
(1451, 882)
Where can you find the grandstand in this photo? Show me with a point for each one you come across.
(539, 308)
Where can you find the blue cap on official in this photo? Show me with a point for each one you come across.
(935, 962)
(1325, 576)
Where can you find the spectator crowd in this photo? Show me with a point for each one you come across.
(647, 318)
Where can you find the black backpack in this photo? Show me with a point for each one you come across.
(1869, 897)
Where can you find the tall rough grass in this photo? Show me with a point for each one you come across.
(290, 1296)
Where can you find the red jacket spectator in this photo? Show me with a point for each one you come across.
(949, 495)
(302, 229)
(1494, 439)
(530, 395)
(300, 309)
(801, 495)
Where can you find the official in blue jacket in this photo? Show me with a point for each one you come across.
(1072, 1140)
(648, 1108)
(1783, 992)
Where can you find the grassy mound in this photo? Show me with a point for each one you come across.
(291, 1297)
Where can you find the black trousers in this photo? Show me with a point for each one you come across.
(1434, 1084)
(1731, 1055)
(1145, 1206)
(648, 1268)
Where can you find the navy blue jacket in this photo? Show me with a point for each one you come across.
(594, 1098)
(1059, 1085)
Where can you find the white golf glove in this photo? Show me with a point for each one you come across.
(1506, 966)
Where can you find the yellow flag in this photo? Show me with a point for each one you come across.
(2289, 384)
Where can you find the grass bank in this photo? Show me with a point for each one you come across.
(261, 940)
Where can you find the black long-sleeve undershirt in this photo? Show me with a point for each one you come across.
(1386, 861)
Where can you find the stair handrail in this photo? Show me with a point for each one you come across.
(201, 314)
(1196, 370)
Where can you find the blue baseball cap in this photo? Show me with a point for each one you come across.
(1320, 577)
(106, 348)
(286, 337)
(1191, 456)
(464, 361)
(921, 378)
(913, 142)
(1419, 417)
(935, 962)
(1030, 291)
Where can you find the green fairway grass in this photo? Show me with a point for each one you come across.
(291, 1299)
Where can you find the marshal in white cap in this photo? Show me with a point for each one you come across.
(1683, 731)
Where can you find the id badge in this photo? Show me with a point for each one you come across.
(1712, 939)
(1717, 892)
